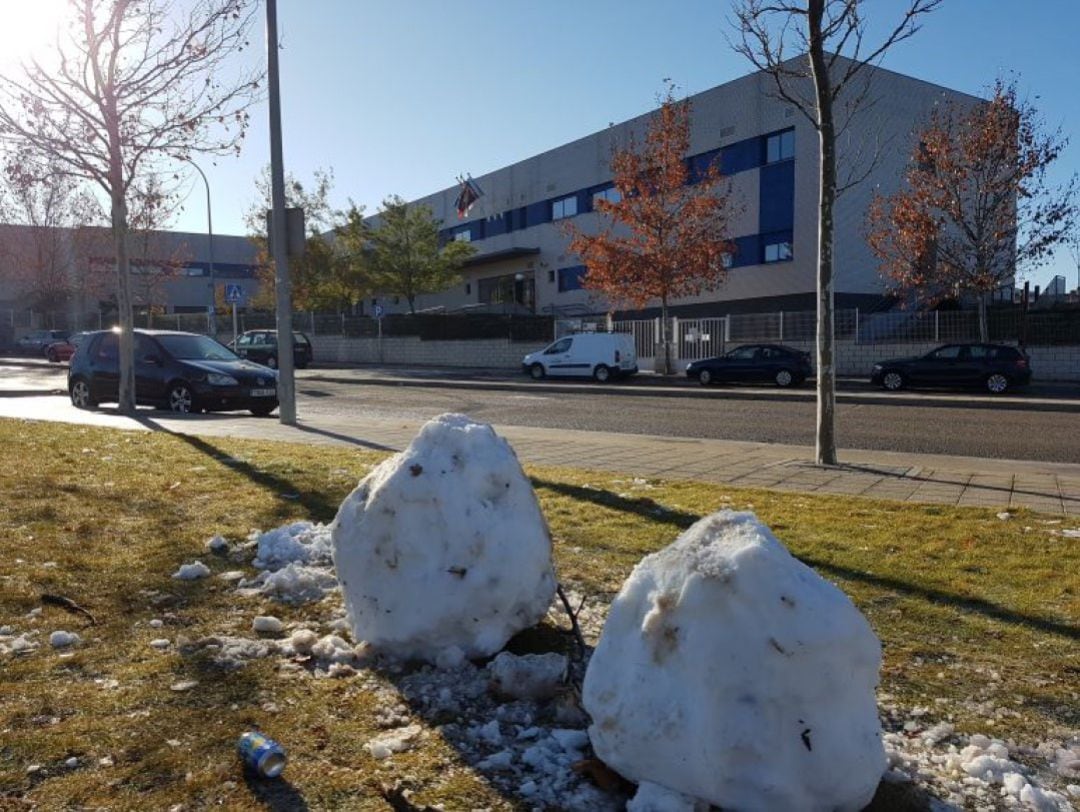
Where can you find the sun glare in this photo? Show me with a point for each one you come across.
(28, 30)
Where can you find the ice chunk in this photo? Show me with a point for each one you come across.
(267, 624)
(62, 639)
(302, 641)
(655, 798)
(300, 542)
(396, 741)
(192, 572)
(217, 544)
(444, 545)
(528, 676)
(731, 672)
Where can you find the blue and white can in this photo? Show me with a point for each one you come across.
(261, 754)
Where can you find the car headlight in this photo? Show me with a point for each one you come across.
(217, 379)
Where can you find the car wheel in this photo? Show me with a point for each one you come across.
(180, 399)
(262, 411)
(997, 383)
(80, 394)
(272, 362)
(704, 377)
(784, 378)
(536, 372)
(52, 356)
(601, 374)
(892, 380)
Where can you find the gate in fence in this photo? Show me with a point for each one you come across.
(692, 339)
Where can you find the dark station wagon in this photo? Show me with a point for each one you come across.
(994, 367)
(261, 346)
(182, 372)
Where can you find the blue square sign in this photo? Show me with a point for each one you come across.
(232, 294)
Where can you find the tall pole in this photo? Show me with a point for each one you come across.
(212, 312)
(286, 389)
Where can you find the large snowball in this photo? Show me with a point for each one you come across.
(442, 549)
(731, 672)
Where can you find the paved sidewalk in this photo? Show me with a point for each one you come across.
(1052, 488)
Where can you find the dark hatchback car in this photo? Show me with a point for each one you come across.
(994, 367)
(782, 365)
(182, 372)
(261, 346)
(34, 343)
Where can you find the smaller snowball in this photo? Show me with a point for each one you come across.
(303, 640)
(191, 572)
(62, 639)
(217, 544)
(267, 624)
(159, 643)
(529, 676)
(71, 763)
(156, 623)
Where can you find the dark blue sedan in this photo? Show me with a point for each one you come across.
(995, 367)
(750, 363)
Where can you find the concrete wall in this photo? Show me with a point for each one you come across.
(411, 351)
(852, 360)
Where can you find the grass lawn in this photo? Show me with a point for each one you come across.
(978, 615)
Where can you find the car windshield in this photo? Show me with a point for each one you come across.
(195, 348)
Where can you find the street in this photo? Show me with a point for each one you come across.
(933, 423)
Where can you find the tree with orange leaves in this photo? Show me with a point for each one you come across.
(665, 237)
(976, 207)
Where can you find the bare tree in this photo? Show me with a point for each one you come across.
(43, 255)
(827, 83)
(135, 84)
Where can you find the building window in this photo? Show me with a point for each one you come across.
(551, 276)
(611, 195)
(727, 260)
(564, 207)
(780, 147)
(777, 251)
(463, 236)
(570, 278)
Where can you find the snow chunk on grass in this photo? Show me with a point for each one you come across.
(267, 624)
(63, 639)
(192, 572)
(397, 741)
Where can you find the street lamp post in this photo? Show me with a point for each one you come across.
(212, 312)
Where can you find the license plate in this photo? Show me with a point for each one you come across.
(263, 393)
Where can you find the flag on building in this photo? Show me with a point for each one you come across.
(468, 196)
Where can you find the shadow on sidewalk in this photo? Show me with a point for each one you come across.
(1050, 493)
(640, 506)
(345, 438)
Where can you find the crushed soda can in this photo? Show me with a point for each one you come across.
(261, 754)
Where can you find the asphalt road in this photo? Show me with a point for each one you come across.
(1011, 430)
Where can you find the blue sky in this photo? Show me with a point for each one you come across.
(400, 97)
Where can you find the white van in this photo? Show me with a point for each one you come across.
(602, 356)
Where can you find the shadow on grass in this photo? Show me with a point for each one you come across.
(972, 605)
(648, 509)
(275, 794)
(318, 505)
(639, 506)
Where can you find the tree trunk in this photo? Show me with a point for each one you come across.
(665, 338)
(825, 453)
(123, 301)
(984, 325)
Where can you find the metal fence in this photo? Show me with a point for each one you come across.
(695, 338)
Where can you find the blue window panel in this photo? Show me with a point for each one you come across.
(499, 224)
(699, 164)
(741, 155)
(747, 251)
(776, 199)
(776, 246)
(584, 201)
(570, 278)
(537, 213)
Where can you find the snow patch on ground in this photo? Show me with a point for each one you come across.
(299, 542)
(191, 572)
